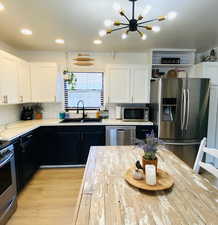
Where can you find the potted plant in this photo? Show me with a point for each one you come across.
(149, 146)
(37, 108)
(71, 80)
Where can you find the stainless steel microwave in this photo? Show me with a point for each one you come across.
(137, 114)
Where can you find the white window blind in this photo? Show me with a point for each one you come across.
(88, 87)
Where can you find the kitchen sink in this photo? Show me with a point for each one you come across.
(81, 120)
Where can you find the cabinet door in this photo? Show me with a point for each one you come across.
(29, 156)
(207, 70)
(91, 138)
(43, 82)
(140, 85)
(211, 71)
(24, 82)
(18, 164)
(119, 85)
(49, 154)
(69, 147)
(8, 79)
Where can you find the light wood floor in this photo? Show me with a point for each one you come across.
(49, 198)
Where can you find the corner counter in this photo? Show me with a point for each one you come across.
(16, 129)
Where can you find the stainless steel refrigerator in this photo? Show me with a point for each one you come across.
(180, 109)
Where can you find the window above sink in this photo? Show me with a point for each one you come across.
(88, 87)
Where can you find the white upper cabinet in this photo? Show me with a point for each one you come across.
(127, 84)
(8, 79)
(23, 82)
(206, 70)
(140, 85)
(45, 82)
(24, 89)
(118, 84)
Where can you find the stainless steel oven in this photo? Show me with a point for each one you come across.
(140, 114)
(7, 184)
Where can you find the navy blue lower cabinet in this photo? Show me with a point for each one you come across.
(91, 138)
(74, 142)
(18, 164)
(49, 152)
(69, 147)
(26, 158)
(29, 155)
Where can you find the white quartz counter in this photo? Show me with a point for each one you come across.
(14, 130)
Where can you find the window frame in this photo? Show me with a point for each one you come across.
(87, 108)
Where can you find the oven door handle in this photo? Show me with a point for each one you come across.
(7, 158)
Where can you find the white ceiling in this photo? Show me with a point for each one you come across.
(78, 22)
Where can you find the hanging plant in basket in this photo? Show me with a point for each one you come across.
(71, 80)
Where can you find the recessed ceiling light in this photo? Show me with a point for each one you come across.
(97, 42)
(59, 41)
(1, 6)
(26, 32)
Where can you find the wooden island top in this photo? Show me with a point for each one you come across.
(107, 199)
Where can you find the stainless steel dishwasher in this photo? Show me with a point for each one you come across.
(120, 135)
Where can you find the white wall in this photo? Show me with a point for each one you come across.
(100, 63)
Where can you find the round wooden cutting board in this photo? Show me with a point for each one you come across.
(164, 181)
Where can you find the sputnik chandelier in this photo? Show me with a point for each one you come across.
(134, 24)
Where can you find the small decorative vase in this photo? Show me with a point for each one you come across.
(149, 162)
(38, 116)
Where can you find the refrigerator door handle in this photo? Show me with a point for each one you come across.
(188, 109)
(183, 111)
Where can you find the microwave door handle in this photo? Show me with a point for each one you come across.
(6, 159)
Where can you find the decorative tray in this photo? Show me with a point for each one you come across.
(164, 181)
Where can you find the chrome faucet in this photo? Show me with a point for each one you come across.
(77, 108)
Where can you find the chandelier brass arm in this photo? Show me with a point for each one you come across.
(135, 22)
(109, 31)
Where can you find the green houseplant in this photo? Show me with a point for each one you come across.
(71, 79)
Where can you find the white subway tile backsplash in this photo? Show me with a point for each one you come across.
(9, 114)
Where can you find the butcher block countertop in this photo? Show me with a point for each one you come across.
(106, 199)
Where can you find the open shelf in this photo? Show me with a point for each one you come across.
(171, 65)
